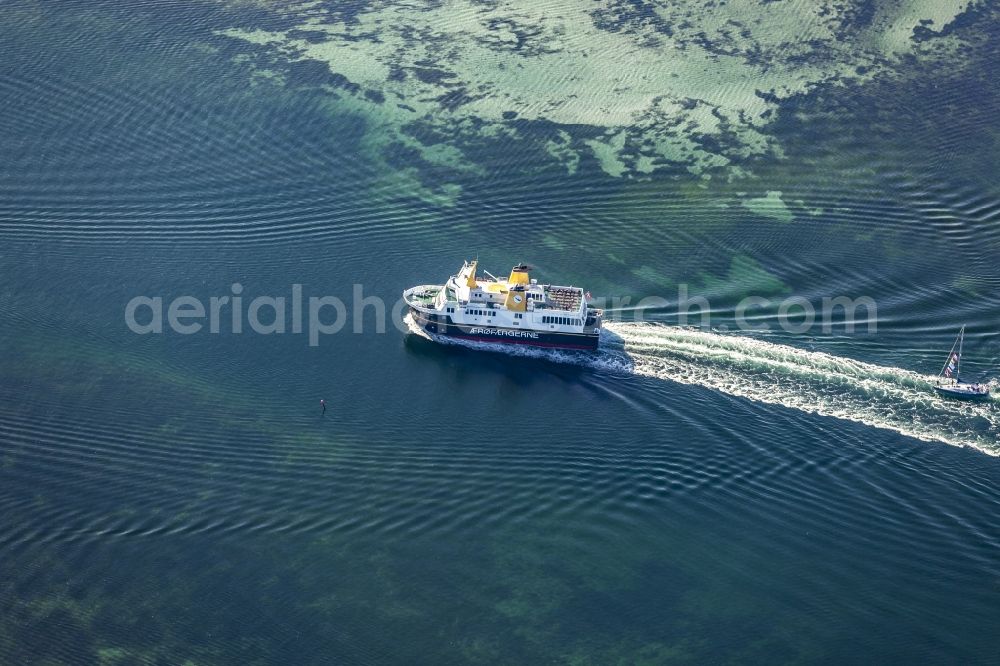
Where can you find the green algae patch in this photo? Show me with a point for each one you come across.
(770, 206)
(968, 285)
(607, 153)
(680, 85)
(654, 276)
(751, 276)
(561, 149)
(745, 277)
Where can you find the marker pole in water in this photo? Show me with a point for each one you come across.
(323, 403)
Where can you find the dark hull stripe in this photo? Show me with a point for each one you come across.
(548, 339)
(521, 341)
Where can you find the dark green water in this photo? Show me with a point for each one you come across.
(684, 496)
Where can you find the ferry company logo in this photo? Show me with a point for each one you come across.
(499, 331)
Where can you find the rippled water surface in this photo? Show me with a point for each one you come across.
(689, 494)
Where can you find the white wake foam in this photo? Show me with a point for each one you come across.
(741, 365)
(816, 382)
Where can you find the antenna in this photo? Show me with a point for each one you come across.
(958, 368)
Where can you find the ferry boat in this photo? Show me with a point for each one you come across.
(518, 310)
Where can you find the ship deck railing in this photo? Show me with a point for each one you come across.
(567, 298)
(424, 295)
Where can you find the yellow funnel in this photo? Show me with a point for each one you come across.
(518, 275)
(516, 300)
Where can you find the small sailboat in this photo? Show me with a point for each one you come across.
(950, 382)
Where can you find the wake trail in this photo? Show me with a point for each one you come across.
(815, 382)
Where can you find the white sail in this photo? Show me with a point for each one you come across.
(952, 368)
